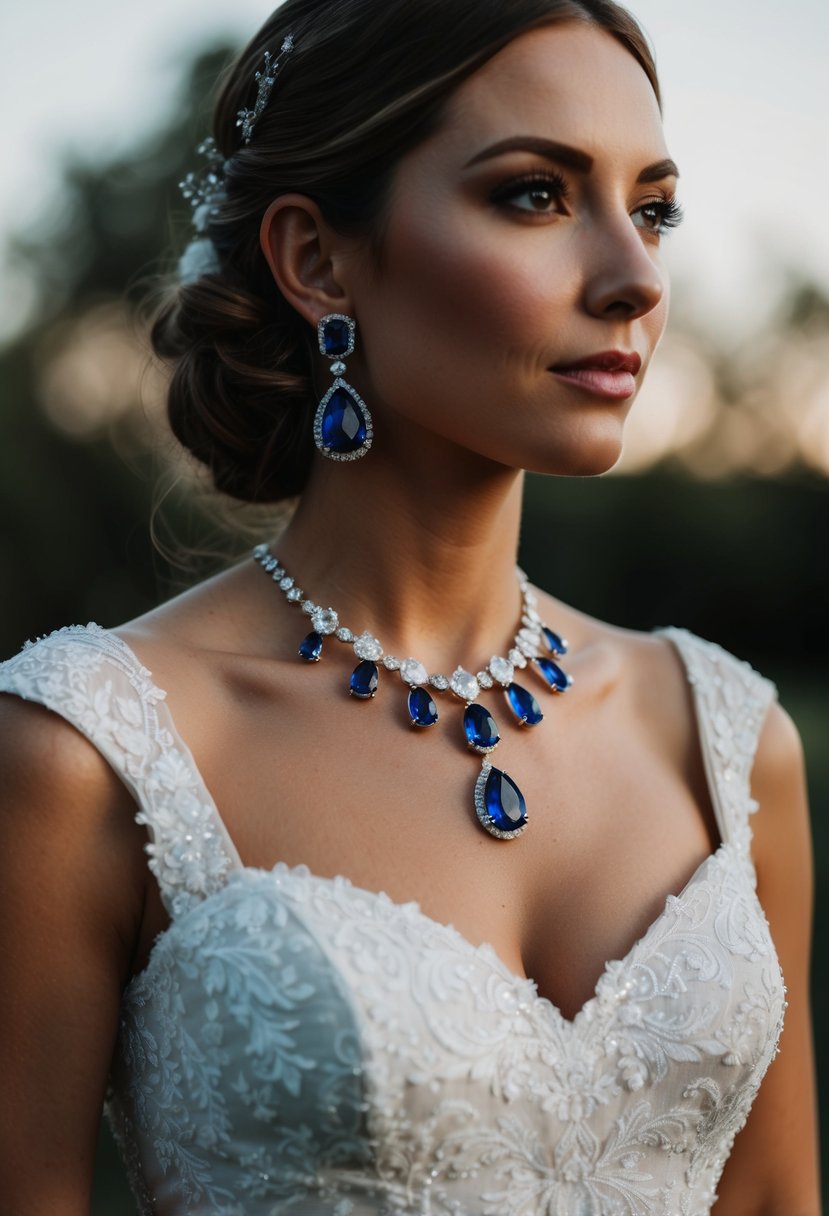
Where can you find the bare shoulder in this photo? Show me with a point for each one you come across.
(779, 759)
(67, 822)
(71, 882)
(782, 835)
(42, 752)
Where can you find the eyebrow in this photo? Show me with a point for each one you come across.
(566, 155)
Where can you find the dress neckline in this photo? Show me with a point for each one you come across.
(526, 986)
(301, 869)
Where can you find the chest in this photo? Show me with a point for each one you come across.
(618, 817)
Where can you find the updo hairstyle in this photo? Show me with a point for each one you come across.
(366, 82)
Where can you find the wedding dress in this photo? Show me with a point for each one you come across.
(297, 1044)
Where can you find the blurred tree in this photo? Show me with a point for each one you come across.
(80, 451)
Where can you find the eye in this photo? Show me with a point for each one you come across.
(662, 215)
(536, 193)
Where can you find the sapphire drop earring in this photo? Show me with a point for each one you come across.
(343, 428)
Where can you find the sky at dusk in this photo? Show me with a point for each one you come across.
(746, 119)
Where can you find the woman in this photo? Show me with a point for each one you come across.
(427, 258)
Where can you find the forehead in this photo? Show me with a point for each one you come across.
(573, 82)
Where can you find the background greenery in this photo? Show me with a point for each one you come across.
(741, 559)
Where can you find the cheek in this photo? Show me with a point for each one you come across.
(468, 297)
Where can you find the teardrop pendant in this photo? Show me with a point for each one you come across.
(555, 642)
(422, 709)
(310, 648)
(480, 728)
(343, 428)
(523, 704)
(499, 803)
(363, 682)
(556, 677)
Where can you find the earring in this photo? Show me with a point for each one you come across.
(343, 429)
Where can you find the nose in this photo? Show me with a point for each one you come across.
(623, 280)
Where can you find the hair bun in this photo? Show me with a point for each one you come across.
(238, 397)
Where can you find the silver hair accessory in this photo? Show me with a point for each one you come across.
(266, 78)
(205, 191)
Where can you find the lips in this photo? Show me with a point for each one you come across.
(604, 361)
(610, 374)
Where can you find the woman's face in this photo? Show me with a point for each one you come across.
(504, 257)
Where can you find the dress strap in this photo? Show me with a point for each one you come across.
(92, 679)
(731, 701)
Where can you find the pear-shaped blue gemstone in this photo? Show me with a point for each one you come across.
(481, 728)
(555, 676)
(523, 704)
(422, 709)
(343, 423)
(363, 682)
(504, 802)
(554, 640)
(310, 647)
(336, 337)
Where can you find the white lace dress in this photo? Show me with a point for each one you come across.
(299, 1045)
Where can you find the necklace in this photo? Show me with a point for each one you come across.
(499, 804)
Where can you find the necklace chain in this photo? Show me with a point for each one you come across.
(499, 804)
(527, 643)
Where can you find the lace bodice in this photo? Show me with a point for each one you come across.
(297, 1044)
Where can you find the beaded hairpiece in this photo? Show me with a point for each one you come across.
(205, 189)
(266, 78)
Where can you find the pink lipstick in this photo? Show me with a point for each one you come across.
(610, 373)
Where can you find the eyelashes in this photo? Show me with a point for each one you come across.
(671, 213)
(550, 187)
(544, 186)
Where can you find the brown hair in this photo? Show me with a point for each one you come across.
(366, 82)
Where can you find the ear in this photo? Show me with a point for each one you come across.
(302, 252)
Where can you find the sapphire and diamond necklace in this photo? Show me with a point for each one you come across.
(499, 804)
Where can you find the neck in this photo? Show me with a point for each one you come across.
(426, 563)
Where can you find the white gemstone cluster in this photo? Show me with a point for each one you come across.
(464, 685)
(366, 646)
(413, 672)
(325, 620)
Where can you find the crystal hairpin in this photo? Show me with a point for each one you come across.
(265, 79)
(204, 188)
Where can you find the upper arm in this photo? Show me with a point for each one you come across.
(71, 899)
(773, 1169)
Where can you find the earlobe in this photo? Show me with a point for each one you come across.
(299, 247)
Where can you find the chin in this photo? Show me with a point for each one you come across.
(586, 443)
(582, 459)
(597, 463)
